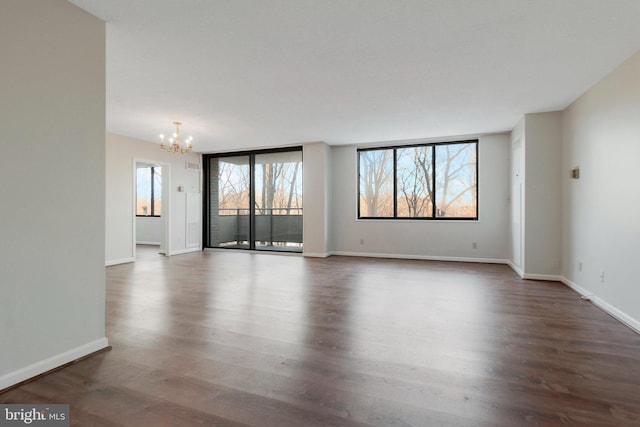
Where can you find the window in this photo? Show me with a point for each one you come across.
(427, 181)
(148, 190)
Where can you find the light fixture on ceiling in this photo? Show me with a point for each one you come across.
(175, 146)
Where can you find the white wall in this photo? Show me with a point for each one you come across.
(420, 238)
(600, 210)
(149, 230)
(317, 199)
(119, 201)
(517, 180)
(542, 195)
(122, 153)
(52, 121)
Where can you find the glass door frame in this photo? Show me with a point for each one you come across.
(206, 214)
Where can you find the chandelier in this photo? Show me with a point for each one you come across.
(175, 146)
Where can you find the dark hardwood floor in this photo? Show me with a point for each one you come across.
(230, 339)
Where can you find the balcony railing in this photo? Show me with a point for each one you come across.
(277, 227)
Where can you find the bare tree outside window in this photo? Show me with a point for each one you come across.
(376, 183)
(255, 200)
(436, 181)
(278, 183)
(233, 185)
(456, 193)
(414, 182)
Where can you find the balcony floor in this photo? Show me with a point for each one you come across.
(266, 248)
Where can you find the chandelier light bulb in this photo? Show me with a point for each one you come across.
(174, 145)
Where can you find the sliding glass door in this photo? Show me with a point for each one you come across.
(254, 200)
(229, 202)
(278, 201)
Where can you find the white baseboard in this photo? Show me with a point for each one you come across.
(619, 315)
(23, 374)
(184, 251)
(516, 269)
(622, 317)
(423, 257)
(317, 254)
(579, 289)
(118, 261)
(529, 276)
(547, 277)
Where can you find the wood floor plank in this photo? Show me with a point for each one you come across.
(240, 339)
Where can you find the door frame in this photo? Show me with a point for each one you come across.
(165, 242)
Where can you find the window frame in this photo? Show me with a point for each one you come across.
(434, 217)
(152, 201)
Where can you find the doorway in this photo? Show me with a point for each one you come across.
(151, 207)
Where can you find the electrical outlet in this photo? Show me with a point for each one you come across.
(602, 276)
(474, 245)
(362, 241)
(580, 266)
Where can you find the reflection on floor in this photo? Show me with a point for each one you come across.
(224, 338)
(147, 252)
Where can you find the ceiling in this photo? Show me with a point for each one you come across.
(265, 73)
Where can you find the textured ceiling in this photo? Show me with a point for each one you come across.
(264, 73)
